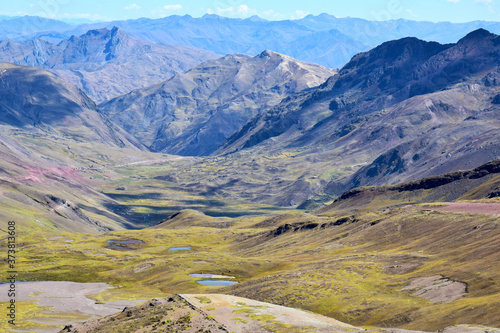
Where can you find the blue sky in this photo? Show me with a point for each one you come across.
(420, 10)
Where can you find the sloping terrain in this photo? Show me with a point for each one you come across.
(481, 183)
(405, 110)
(406, 266)
(105, 63)
(211, 313)
(36, 100)
(194, 112)
(52, 137)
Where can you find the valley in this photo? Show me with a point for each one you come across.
(353, 266)
(181, 190)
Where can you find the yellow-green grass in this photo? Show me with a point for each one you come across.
(28, 317)
(352, 272)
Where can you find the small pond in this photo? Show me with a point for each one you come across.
(116, 244)
(184, 248)
(216, 283)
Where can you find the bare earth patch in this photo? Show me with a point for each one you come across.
(64, 298)
(240, 314)
(437, 289)
(470, 329)
(467, 207)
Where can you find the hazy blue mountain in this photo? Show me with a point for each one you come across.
(322, 39)
(105, 63)
(194, 112)
(376, 32)
(19, 27)
(229, 36)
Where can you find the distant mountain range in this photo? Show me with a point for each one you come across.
(195, 112)
(323, 39)
(25, 26)
(374, 33)
(105, 63)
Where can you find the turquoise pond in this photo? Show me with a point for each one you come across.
(216, 283)
(184, 248)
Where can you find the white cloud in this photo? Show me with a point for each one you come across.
(235, 11)
(488, 4)
(269, 12)
(299, 14)
(172, 7)
(165, 10)
(410, 11)
(453, 1)
(133, 6)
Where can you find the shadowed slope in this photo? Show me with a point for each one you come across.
(193, 113)
(35, 99)
(404, 110)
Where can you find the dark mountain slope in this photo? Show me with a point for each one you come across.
(105, 63)
(36, 100)
(482, 182)
(193, 113)
(406, 109)
(369, 81)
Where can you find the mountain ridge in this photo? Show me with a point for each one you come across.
(105, 62)
(396, 99)
(37, 100)
(194, 112)
(355, 34)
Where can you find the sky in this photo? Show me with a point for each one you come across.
(376, 10)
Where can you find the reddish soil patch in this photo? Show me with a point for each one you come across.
(468, 207)
(437, 289)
